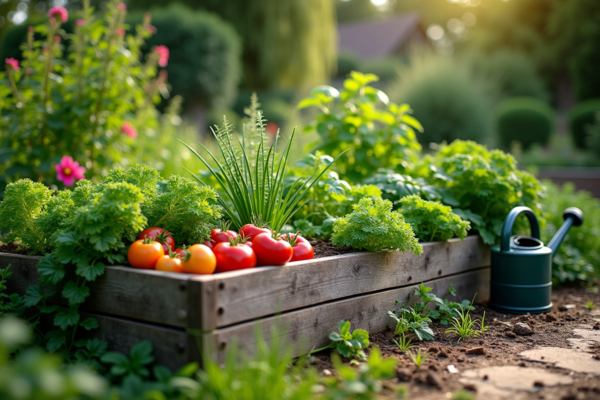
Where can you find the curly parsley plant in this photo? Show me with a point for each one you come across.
(432, 221)
(374, 226)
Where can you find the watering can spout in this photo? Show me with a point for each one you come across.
(573, 216)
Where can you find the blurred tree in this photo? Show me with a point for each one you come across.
(286, 44)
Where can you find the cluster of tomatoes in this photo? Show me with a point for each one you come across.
(226, 250)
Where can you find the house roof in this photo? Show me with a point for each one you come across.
(378, 37)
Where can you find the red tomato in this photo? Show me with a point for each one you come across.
(248, 243)
(271, 250)
(170, 263)
(219, 235)
(180, 251)
(199, 259)
(231, 257)
(251, 231)
(210, 244)
(302, 248)
(144, 253)
(165, 238)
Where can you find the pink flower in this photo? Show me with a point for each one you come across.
(31, 28)
(122, 6)
(29, 71)
(80, 22)
(151, 29)
(13, 63)
(272, 128)
(60, 11)
(129, 130)
(68, 170)
(163, 52)
(56, 39)
(120, 31)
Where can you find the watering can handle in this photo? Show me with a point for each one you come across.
(509, 222)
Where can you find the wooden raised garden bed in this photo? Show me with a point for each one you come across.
(182, 314)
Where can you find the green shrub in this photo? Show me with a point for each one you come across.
(448, 98)
(360, 120)
(514, 72)
(524, 119)
(346, 63)
(385, 68)
(580, 117)
(205, 54)
(579, 255)
(374, 226)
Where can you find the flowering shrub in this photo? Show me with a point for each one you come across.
(80, 97)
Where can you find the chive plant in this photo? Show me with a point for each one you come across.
(252, 175)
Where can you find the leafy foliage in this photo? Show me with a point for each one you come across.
(525, 120)
(361, 120)
(431, 220)
(92, 226)
(410, 320)
(418, 358)
(253, 178)
(374, 226)
(463, 326)
(8, 303)
(403, 344)
(363, 382)
(350, 344)
(136, 364)
(72, 95)
(486, 185)
(578, 258)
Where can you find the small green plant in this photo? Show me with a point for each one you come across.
(418, 358)
(252, 176)
(408, 319)
(432, 221)
(403, 344)
(359, 383)
(374, 226)
(463, 326)
(463, 395)
(361, 120)
(136, 364)
(445, 310)
(15, 302)
(482, 325)
(590, 305)
(348, 344)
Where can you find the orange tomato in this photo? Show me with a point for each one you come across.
(199, 259)
(144, 253)
(170, 263)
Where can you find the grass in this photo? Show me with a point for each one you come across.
(404, 344)
(464, 326)
(590, 305)
(418, 358)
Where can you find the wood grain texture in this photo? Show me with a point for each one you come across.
(309, 328)
(173, 348)
(249, 294)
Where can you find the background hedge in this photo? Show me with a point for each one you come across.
(524, 119)
(580, 118)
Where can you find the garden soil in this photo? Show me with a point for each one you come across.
(559, 358)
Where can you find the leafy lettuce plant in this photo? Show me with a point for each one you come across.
(374, 226)
(486, 185)
(349, 343)
(252, 176)
(83, 94)
(361, 120)
(432, 221)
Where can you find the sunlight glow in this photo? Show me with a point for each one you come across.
(435, 32)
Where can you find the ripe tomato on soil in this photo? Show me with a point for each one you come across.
(170, 263)
(222, 235)
(144, 253)
(271, 250)
(234, 256)
(165, 238)
(302, 249)
(199, 259)
(251, 231)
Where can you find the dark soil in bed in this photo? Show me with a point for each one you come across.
(499, 346)
(12, 248)
(324, 248)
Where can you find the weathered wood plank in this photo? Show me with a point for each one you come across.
(249, 294)
(311, 326)
(173, 348)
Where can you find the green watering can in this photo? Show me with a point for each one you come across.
(522, 266)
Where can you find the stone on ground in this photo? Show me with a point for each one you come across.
(570, 359)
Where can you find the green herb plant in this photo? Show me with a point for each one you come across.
(403, 343)
(418, 358)
(445, 309)
(252, 176)
(350, 344)
(15, 302)
(374, 226)
(432, 221)
(360, 383)
(361, 120)
(464, 326)
(83, 230)
(407, 319)
(589, 305)
(484, 185)
(72, 94)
